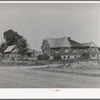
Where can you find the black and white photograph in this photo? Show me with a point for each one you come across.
(50, 45)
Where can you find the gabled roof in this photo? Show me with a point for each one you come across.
(74, 43)
(9, 49)
(62, 42)
(14, 51)
(51, 41)
(89, 44)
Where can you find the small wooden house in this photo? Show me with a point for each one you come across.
(11, 53)
(30, 53)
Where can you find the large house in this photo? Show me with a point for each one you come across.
(68, 48)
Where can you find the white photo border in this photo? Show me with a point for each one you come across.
(49, 93)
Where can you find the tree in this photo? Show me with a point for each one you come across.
(22, 46)
(11, 37)
(3, 46)
(43, 43)
(86, 55)
(44, 46)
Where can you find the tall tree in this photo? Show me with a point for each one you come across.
(43, 43)
(13, 38)
(3, 46)
(10, 37)
(22, 46)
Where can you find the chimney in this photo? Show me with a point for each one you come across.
(69, 38)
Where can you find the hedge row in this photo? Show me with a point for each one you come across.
(46, 57)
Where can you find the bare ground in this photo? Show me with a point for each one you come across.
(27, 77)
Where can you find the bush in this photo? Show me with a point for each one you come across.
(57, 57)
(43, 57)
(86, 55)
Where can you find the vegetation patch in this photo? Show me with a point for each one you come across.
(81, 68)
(21, 63)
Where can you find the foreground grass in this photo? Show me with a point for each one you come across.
(33, 63)
(21, 63)
(86, 68)
(80, 68)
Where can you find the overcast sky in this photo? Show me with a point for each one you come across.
(35, 22)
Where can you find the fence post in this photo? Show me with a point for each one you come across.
(97, 55)
(98, 58)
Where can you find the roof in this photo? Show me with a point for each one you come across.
(14, 51)
(31, 51)
(88, 44)
(38, 53)
(74, 43)
(62, 42)
(9, 49)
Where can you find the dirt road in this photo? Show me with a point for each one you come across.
(27, 77)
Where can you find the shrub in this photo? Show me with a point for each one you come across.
(43, 57)
(86, 55)
(57, 57)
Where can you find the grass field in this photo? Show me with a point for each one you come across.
(81, 68)
(41, 62)
(90, 68)
(27, 77)
(55, 74)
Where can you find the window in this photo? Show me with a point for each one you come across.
(93, 49)
(74, 51)
(68, 57)
(75, 57)
(64, 57)
(85, 50)
(56, 51)
(67, 50)
(93, 55)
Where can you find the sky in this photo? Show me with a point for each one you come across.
(36, 21)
